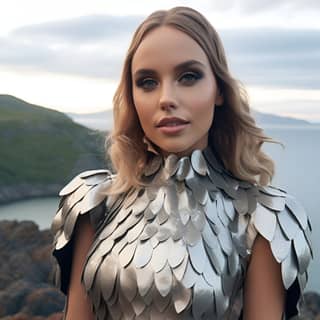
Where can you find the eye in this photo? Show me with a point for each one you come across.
(190, 77)
(146, 84)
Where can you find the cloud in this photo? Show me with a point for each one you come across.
(86, 29)
(273, 57)
(91, 46)
(296, 5)
(97, 63)
(254, 6)
(94, 46)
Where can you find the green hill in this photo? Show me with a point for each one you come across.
(41, 147)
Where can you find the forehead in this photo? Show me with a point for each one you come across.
(167, 46)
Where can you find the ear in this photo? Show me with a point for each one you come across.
(219, 98)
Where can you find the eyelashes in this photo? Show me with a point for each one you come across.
(190, 77)
(146, 83)
(187, 78)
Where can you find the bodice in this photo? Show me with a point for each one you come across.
(178, 247)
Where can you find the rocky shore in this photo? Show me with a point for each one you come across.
(26, 290)
(25, 191)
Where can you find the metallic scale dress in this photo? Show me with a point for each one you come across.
(179, 247)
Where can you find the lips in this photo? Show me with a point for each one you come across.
(171, 122)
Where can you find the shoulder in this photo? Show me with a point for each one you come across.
(282, 221)
(280, 218)
(279, 208)
(84, 193)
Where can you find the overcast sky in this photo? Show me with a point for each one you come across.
(67, 55)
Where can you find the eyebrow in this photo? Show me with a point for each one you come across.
(177, 68)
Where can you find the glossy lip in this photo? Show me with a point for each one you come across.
(168, 121)
(172, 125)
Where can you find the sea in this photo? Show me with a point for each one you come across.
(297, 171)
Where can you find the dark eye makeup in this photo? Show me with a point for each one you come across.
(187, 78)
(146, 83)
(190, 77)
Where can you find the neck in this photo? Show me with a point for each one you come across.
(179, 165)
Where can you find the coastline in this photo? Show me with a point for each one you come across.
(24, 191)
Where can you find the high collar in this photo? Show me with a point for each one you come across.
(201, 169)
(173, 166)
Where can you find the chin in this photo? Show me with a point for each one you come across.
(180, 151)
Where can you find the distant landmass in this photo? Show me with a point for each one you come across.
(267, 119)
(41, 149)
(104, 120)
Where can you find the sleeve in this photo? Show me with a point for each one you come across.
(84, 194)
(281, 220)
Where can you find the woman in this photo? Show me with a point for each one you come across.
(188, 225)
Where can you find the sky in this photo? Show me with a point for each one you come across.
(67, 55)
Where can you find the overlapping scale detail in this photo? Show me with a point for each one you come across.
(86, 193)
(167, 253)
(178, 247)
(281, 220)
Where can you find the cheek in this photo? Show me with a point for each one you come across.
(138, 102)
(203, 106)
(203, 95)
(143, 109)
(203, 110)
(205, 117)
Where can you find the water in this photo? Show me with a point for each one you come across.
(40, 210)
(297, 172)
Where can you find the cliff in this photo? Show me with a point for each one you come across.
(42, 149)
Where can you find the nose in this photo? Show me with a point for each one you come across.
(167, 99)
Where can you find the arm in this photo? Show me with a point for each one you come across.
(264, 293)
(78, 305)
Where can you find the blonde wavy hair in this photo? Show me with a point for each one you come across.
(234, 135)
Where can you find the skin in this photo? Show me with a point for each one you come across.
(172, 77)
(78, 304)
(264, 293)
(165, 90)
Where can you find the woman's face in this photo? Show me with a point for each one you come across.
(174, 91)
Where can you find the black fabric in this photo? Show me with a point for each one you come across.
(64, 259)
(293, 295)
(65, 254)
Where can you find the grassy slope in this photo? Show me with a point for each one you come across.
(39, 145)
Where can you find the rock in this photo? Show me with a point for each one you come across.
(26, 289)
(21, 247)
(22, 316)
(311, 307)
(43, 302)
(13, 297)
(56, 316)
(18, 316)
